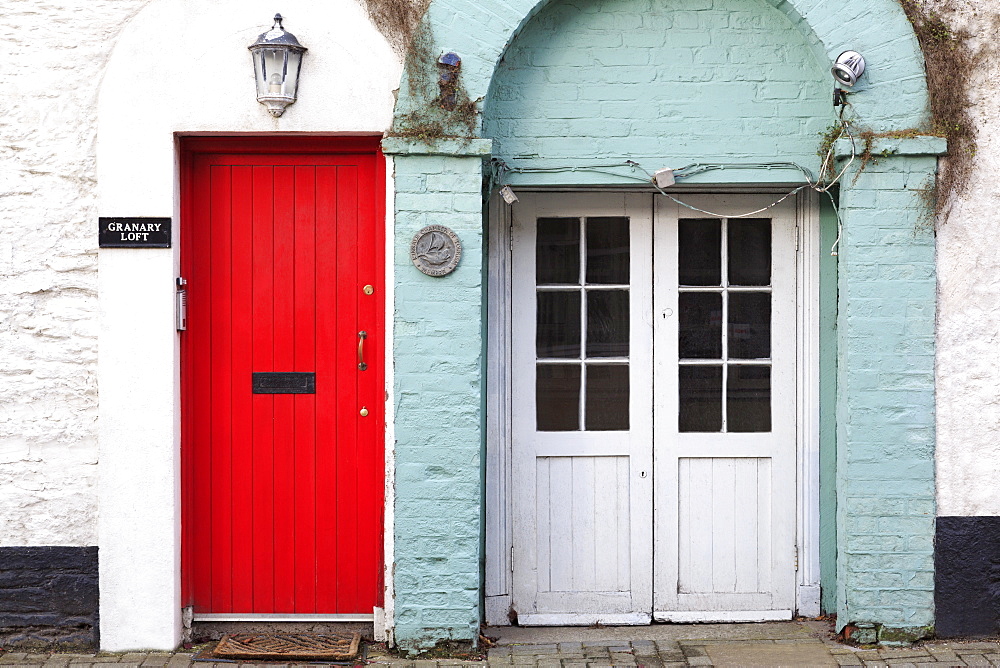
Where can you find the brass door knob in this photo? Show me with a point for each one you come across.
(364, 412)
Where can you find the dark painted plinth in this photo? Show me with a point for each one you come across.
(48, 596)
(967, 577)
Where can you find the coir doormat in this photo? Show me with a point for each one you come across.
(288, 646)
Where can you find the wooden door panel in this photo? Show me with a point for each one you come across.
(582, 506)
(282, 493)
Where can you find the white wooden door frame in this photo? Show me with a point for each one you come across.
(498, 584)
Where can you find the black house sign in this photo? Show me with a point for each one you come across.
(134, 233)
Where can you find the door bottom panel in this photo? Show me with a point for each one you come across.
(584, 619)
(690, 616)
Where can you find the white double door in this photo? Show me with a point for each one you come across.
(653, 409)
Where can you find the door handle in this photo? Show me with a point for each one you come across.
(362, 335)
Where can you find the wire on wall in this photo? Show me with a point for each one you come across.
(500, 169)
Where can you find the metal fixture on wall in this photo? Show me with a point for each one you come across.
(277, 57)
(848, 68)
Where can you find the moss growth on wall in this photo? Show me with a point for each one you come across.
(949, 58)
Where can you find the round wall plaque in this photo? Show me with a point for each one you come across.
(435, 250)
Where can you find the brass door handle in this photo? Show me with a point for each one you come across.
(362, 335)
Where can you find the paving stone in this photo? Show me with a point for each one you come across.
(503, 650)
(134, 657)
(36, 658)
(649, 662)
(549, 663)
(533, 649)
(904, 662)
(942, 653)
(521, 660)
(976, 647)
(975, 660)
(574, 664)
(622, 658)
(993, 658)
(699, 661)
(499, 660)
(693, 650)
(570, 646)
(876, 663)
(903, 653)
(13, 657)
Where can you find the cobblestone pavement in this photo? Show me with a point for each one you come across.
(788, 644)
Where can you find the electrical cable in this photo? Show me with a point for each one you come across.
(499, 169)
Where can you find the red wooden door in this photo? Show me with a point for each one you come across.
(282, 245)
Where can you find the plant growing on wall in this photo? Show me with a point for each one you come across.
(445, 110)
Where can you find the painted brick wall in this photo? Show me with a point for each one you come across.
(664, 84)
(54, 55)
(438, 367)
(885, 477)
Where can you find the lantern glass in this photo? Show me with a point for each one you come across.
(277, 58)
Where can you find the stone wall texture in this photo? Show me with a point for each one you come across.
(54, 55)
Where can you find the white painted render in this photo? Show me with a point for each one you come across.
(183, 67)
(968, 334)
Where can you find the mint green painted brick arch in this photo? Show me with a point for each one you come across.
(661, 84)
(894, 85)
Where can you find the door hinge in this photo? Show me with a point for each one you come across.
(796, 557)
(511, 558)
(181, 310)
(796, 238)
(510, 237)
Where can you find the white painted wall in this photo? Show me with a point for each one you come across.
(146, 70)
(968, 363)
(52, 63)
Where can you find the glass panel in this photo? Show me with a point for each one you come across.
(607, 397)
(749, 325)
(557, 251)
(558, 333)
(700, 327)
(700, 393)
(607, 250)
(607, 323)
(748, 398)
(750, 251)
(557, 397)
(699, 251)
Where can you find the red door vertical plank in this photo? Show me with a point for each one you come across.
(187, 441)
(348, 290)
(370, 386)
(285, 427)
(242, 527)
(219, 231)
(199, 340)
(263, 404)
(331, 347)
(305, 405)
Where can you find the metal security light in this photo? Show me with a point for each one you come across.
(848, 68)
(277, 57)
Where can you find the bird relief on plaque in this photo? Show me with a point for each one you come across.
(435, 250)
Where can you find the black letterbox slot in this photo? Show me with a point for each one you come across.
(284, 383)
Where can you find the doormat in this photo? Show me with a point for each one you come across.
(288, 646)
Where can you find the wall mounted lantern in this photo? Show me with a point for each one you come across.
(277, 57)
